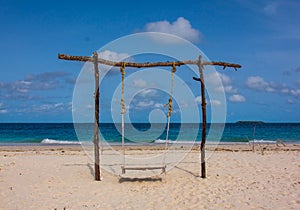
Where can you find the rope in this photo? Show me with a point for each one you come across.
(171, 92)
(122, 70)
(170, 110)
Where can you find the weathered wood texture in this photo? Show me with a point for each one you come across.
(96, 123)
(145, 168)
(147, 64)
(203, 105)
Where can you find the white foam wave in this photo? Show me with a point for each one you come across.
(258, 141)
(262, 141)
(161, 141)
(52, 141)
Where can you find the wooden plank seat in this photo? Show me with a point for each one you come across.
(143, 168)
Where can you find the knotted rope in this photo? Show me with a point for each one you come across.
(170, 103)
(122, 70)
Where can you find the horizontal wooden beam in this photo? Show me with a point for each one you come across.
(147, 64)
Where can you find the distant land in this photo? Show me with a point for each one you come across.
(250, 122)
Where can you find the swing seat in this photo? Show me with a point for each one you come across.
(143, 168)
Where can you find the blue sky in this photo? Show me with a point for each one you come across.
(263, 36)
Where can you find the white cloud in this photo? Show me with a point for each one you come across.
(2, 110)
(237, 98)
(271, 8)
(139, 83)
(198, 100)
(225, 84)
(227, 89)
(113, 56)
(33, 82)
(295, 93)
(270, 89)
(213, 79)
(21, 90)
(43, 107)
(230, 89)
(225, 79)
(290, 101)
(257, 83)
(183, 104)
(212, 102)
(158, 105)
(145, 104)
(181, 27)
(57, 107)
(285, 90)
(148, 92)
(215, 102)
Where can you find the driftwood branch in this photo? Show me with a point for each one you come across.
(147, 64)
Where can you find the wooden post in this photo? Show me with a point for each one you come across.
(96, 122)
(203, 104)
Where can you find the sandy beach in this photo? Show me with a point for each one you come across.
(61, 177)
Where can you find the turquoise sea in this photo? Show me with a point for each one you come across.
(68, 133)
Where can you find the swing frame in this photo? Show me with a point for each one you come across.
(96, 60)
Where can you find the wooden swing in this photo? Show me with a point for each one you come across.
(96, 60)
(123, 107)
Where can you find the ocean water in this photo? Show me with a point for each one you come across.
(67, 133)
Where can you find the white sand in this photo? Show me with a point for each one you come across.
(45, 179)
